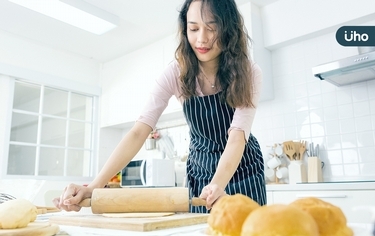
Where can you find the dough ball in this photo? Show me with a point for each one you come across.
(17, 213)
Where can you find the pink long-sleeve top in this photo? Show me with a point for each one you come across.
(168, 85)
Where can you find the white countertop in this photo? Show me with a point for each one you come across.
(355, 185)
(196, 230)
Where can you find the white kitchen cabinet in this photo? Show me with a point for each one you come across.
(261, 55)
(269, 197)
(347, 200)
(126, 83)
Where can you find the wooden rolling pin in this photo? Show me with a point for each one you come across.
(122, 200)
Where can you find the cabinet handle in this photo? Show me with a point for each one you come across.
(321, 196)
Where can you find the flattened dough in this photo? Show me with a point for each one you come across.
(17, 213)
(138, 214)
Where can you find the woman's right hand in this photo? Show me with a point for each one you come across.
(71, 196)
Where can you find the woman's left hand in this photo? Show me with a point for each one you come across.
(211, 193)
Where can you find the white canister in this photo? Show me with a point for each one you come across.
(297, 172)
(315, 174)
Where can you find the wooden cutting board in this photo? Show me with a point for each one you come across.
(33, 229)
(133, 224)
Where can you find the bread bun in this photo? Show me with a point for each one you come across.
(329, 218)
(279, 219)
(228, 214)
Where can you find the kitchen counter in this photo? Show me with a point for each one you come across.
(196, 230)
(338, 185)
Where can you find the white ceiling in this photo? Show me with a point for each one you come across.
(141, 22)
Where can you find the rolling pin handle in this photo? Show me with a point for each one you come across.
(196, 201)
(85, 202)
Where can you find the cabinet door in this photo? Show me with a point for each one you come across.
(269, 197)
(347, 200)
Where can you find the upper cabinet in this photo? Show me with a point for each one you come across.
(126, 81)
(261, 55)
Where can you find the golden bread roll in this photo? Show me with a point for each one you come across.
(329, 218)
(228, 214)
(17, 213)
(279, 220)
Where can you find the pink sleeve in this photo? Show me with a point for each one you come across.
(165, 87)
(243, 118)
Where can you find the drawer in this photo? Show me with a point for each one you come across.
(347, 200)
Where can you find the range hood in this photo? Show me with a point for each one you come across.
(349, 70)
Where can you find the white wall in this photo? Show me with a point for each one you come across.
(290, 21)
(340, 119)
(16, 52)
(5, 102)
(127, 80)
(301, 34)
(262, 56)
(305, 107)
(28, 60)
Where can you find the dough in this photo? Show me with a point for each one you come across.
(17, 213)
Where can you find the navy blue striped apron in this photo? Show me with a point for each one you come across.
(209, 120)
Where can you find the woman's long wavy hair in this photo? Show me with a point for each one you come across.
(234, 70)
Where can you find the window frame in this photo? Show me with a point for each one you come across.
(69, 87)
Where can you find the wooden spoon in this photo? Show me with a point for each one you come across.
(296, 149)
(289, 149)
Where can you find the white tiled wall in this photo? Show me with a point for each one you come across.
(340, 119)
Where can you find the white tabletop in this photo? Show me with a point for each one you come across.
(84, 231)
(196, 230)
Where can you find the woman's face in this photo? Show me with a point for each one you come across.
(202, 35)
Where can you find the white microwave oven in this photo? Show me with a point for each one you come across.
(149, 172)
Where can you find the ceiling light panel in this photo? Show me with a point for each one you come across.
(77, 13)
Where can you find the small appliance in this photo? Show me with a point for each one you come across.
(149, 172)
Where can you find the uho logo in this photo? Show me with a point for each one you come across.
(356, 36)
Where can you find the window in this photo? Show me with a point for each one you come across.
(51, 132)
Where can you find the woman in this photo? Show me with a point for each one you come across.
(218, 87)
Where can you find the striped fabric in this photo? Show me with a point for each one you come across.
(209, 120)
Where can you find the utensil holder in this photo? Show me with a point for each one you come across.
(297, 172)
(314, 170)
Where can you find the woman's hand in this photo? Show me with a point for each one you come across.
(211, 193)
(71, 196)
